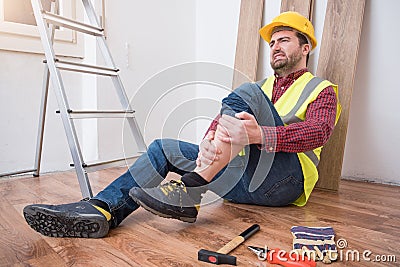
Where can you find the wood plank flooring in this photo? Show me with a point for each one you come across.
(366, 215)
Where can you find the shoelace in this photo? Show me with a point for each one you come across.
(172, 186)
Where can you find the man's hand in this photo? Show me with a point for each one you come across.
(208, 151)
(242, 130)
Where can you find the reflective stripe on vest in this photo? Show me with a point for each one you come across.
(311, 85)
(292, 108)
(291, 118)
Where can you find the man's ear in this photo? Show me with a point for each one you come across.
(306, 49)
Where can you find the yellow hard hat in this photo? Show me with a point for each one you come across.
(293, 20)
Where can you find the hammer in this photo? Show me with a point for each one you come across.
(221, 257)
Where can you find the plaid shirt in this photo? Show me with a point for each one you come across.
(303, 136)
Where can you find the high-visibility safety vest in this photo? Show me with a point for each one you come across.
(292, 108)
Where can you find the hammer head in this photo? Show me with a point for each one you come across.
(215, 257)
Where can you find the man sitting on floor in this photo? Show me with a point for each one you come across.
(262, 149)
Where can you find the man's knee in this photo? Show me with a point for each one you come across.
(156, 145)
(248, 97)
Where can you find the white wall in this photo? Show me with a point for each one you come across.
(216, 31)
(148, 38)
(21, 76)
(374, 127)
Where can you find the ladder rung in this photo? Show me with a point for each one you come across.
(91, 69)
(96, 166)
(17, 172)
(93, 114)
(72, 24)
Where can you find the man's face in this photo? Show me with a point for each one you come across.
(286, 52)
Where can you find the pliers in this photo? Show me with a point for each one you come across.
(278, 256)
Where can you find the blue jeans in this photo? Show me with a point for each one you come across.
(258, 177)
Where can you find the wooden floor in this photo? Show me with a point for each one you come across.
(366, 215)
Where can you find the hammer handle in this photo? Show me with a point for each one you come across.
(234, 243)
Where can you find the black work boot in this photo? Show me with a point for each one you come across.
(170, 200)
(80, 219)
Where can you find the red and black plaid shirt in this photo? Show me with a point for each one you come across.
(303, 136)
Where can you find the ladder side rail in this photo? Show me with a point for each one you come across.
(132, 121)
(42, 121)
(137, 135)
(43, 106)
(62, 100)
(101, 41)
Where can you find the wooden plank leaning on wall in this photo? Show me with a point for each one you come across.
(337, 62)
(248, 41)
(303, 7)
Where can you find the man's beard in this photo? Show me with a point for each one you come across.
(288, 63)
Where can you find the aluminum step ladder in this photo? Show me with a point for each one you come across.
(46, 23)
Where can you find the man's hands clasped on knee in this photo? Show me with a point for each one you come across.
(242, 130)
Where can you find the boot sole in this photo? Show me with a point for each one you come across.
(168, 216)
(61, 224)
